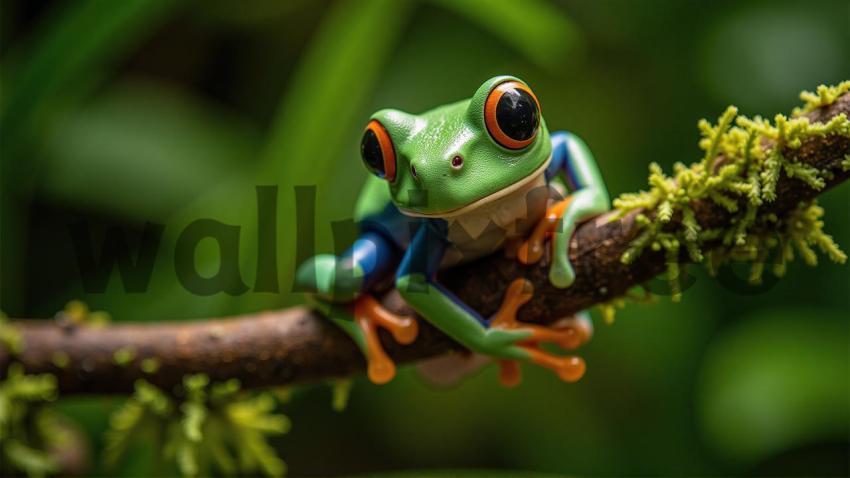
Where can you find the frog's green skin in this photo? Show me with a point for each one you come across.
(416, 224)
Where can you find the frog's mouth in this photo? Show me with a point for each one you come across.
(482, 201)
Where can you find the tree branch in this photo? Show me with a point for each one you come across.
(297, 345)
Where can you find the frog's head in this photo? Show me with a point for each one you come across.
(462, 155)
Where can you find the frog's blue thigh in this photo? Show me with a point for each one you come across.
(370, 259)
(334, 282)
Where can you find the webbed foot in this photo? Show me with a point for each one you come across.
(568, 335)
(369, 314)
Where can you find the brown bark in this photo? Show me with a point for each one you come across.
(297, 345)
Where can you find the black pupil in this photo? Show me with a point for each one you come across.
(517, 114)
(370, 150)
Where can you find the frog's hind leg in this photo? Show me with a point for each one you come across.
(361, 320)
(568, 335)
(339, 288)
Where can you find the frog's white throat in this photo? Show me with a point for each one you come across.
(529, 182)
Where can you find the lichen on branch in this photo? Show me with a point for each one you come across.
(208, 427)
(27, 428)
(823, 96)
(743, 161)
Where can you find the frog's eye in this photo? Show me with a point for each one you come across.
(512, 115)
(377, 151)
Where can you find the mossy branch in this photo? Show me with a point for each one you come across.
(744, 193)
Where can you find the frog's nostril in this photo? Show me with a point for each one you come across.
(413, 171)
(457, 162)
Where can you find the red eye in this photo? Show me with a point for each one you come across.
(376, 149)
(512, 115)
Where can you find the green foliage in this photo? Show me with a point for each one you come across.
(10, 336)
(150, 365)
(124, 355)
(210, 427)
(143, 415)
(78, 313)
(823, 96)
(60, 359)
(67, 59)
(637, 295)
(739, 172)
(757, 395)
(137, 133)
(341, 393)
(542, 32)
(26, 428)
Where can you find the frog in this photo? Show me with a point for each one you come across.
(448, 186)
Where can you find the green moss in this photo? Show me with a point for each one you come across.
(637, 295)
(208, 428)
(283, 394)
(124, 356)
(609, 309)
(150, 365)
(10, 336)
(823, 96)
(77, 312)
(341, 392)
(740, 174)
(60, 359)
(27, 428)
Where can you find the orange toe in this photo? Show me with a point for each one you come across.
(404, 329)
(381, 371)
(519, 292)
(531, 250)
(369, 315)
(569, 368)
(572, 369)
(509, 373)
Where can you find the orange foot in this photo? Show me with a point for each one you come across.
(531, 250)
(569, 368)
(369, 314)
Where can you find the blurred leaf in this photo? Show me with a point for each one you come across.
(336, 75)
(325, 101)
(58, 68)
(12, 244)
(459, 473)
(206, 431)
(323, 104)
(36, 463)
(542, 32)
(70, 44)
(26, 433)
(758, 58)
(249, 14)
(108, 155)
(776, 381)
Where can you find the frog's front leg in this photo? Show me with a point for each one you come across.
(572, 157)
(501, 336)
(338, 285)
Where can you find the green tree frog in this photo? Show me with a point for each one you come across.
(447, 186)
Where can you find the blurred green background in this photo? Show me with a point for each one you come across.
(124, 112)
